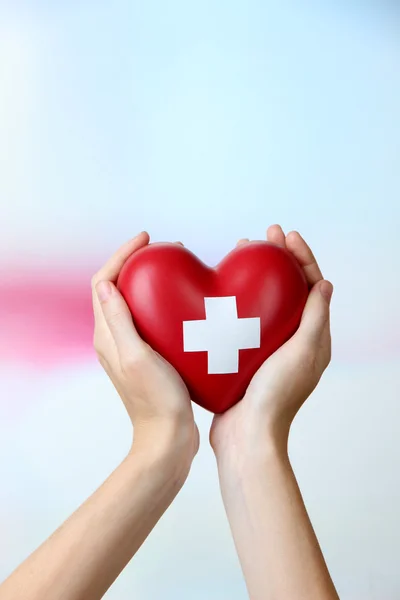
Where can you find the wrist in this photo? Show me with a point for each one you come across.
(251, 447)
(247, 431)
(167, 446)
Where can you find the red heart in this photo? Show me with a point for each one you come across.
(165, 286)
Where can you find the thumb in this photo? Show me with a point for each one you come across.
(316, 312)
(117, 315)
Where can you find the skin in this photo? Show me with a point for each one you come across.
(277, 547)
(276, 544)
(86, 554)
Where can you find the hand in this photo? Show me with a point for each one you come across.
(277, 547)
(288, 377)
(93, 546)
(153, 393)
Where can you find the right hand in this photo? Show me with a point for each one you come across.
(154, 395)
(288, 377)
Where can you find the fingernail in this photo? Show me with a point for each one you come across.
(138, 235)
(326, 290)
(103, 290)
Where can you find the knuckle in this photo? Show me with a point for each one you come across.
(98, 346)
(115, 317)
(135, 361)
(95, 280)
(97, 277)
(102, 361)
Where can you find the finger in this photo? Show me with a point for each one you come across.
(117, 317)
(316, 312)
(242, 241)
(302, 252)
(276, 236)
(113, 266)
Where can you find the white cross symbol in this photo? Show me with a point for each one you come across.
(222, 334)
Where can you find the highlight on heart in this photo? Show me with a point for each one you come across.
(215, 325)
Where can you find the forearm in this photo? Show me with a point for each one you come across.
(278, 550)
(86, 554)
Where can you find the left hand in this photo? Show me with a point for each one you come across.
(288, 377)
(155, 397)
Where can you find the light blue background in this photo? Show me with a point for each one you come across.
(206, 122)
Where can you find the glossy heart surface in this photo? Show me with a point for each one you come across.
(216, 326)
